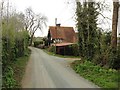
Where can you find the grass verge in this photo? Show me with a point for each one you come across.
(103, 77)
(19, 68)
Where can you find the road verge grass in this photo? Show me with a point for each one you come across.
(19, 68)
(103, 77)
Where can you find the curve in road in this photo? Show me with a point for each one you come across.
(46, 71)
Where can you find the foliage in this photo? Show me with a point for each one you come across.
(87, 28)
(105, 78)
(52, 49)
(8, 80)
(58, 55)
(46, 41)
(114, 58)
(15, 42)
(94, 44)
(74, 50)
(36, 43)
(71, 50)
(19, 66)
(107, 38)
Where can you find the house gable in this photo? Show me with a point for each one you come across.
(67, 34)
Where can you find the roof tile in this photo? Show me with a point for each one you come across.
(65, 33)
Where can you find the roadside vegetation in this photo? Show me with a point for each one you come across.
(18, 67)
(14, 46)
(94, 43)
(17, 30)
(98, 49)
(101, 76)
(71, 50)
(58, 55)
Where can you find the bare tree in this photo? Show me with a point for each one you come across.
(34, 22)
(114, 23)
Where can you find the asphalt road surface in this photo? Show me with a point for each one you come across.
(46, 71)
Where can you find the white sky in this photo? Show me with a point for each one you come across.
(59, 9)
(51, 8)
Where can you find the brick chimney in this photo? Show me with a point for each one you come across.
(55, 21)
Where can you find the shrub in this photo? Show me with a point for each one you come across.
(114, 59)
(67, 50)
(8, 80)
(75, 50)
(14, 44)
(12, 48)
(101, 59)
(36, 43)
(52, 49)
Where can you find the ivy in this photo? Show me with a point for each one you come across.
(94, 44)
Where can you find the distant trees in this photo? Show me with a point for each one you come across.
(34, 22)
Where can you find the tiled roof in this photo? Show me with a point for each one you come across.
(65, 33)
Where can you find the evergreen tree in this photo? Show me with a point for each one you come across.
(92, 30)
(87, 28)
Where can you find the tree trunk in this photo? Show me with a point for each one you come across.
(31, 39)
(114, 24)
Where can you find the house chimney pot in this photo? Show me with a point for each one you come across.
(58, 25)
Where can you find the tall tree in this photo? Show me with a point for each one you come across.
(92, 29)
(34, 22)
(114, 23)
(81, 25)
(87, 25)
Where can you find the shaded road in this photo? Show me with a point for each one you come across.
(45, 71)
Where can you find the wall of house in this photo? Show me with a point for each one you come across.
(57, 40)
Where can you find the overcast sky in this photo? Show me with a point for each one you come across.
(60, 9)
